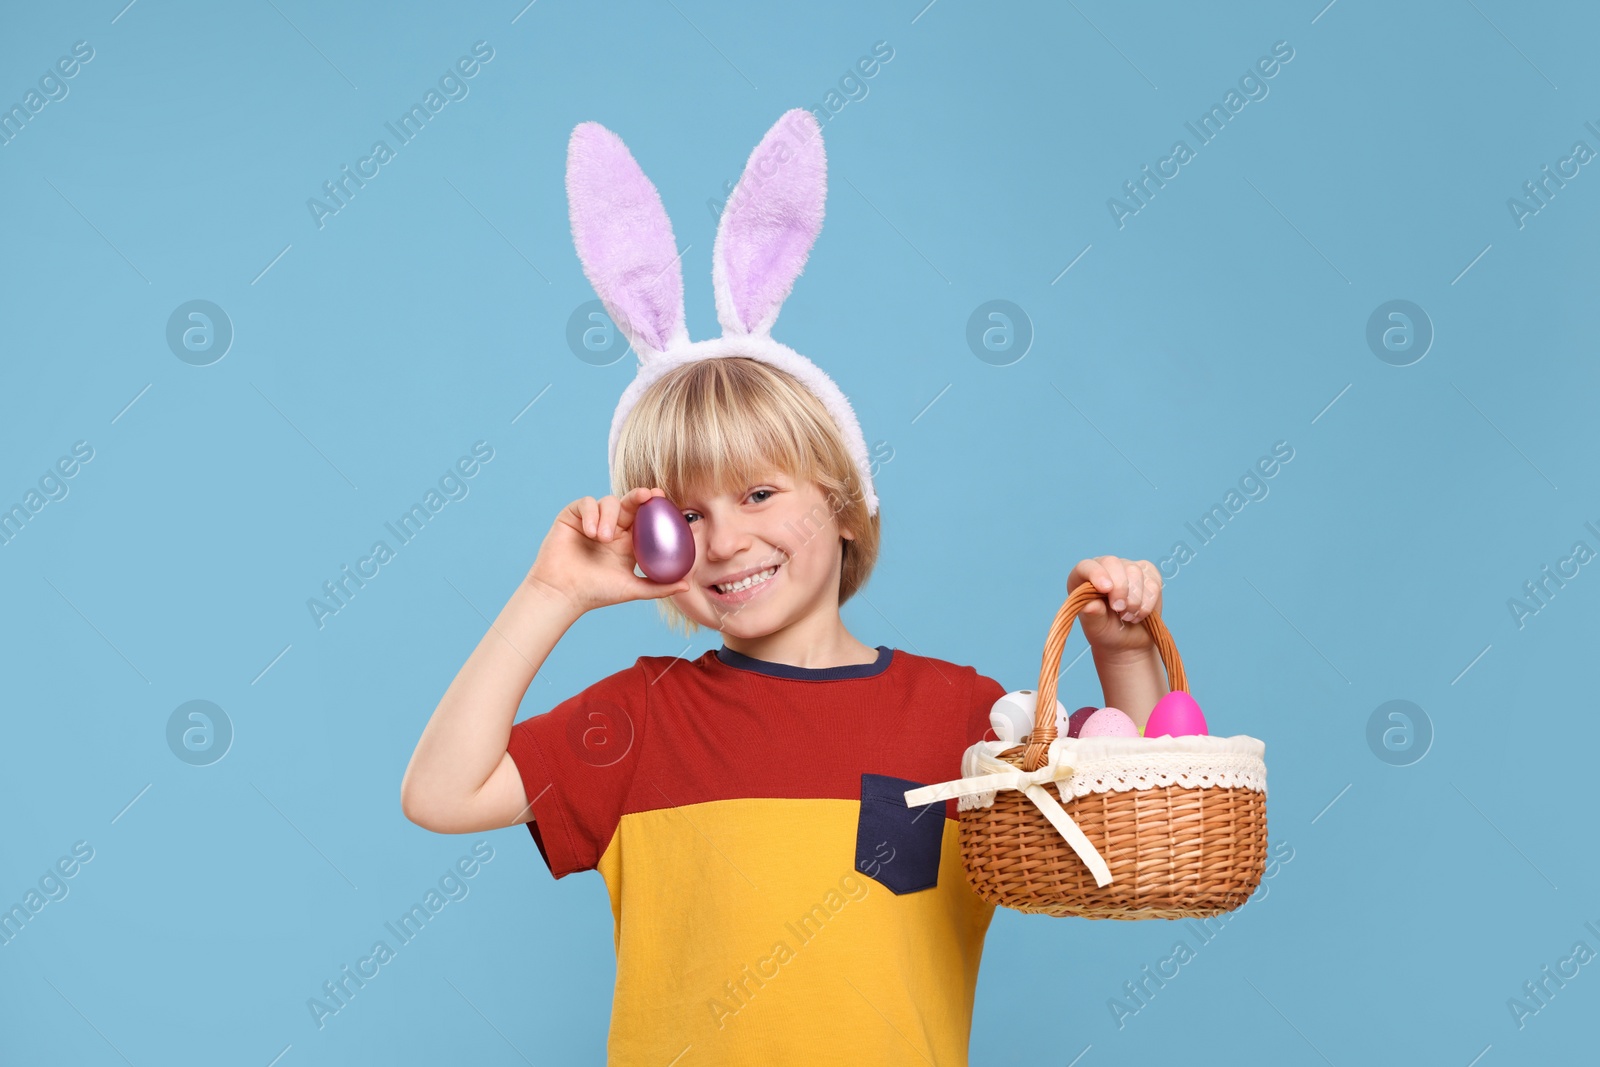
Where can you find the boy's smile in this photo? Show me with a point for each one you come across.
(744, 586)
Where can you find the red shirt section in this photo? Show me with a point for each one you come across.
(669, 732)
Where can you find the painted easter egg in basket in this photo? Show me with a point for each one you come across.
(1109, 722)
(1175, 715)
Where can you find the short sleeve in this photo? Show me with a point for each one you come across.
(577, 762)
(985, 691)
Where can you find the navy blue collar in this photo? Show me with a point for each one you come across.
(807, 674)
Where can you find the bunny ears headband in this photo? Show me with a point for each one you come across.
(771, 220)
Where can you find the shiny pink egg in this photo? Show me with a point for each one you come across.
(1175, 715)
(662, 541)
(1108, 722)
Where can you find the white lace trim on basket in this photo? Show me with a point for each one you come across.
(1080, 766)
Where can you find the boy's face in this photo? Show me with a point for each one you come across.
(780, 525)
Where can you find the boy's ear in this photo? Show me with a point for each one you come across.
(834, 502)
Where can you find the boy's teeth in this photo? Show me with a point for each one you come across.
(748, 582)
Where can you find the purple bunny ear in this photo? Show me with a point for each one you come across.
(769, 224)
(624, 240)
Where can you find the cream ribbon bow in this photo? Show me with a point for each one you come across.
(1001, 775)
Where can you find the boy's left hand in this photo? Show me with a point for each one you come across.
(1133, 589)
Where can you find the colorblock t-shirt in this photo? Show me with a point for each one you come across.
(774, 899)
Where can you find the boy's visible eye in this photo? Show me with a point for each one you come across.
(762, 494)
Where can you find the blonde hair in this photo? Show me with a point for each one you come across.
(722, 422)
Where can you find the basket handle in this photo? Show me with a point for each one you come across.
(1044, 720)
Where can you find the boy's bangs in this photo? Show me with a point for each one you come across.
(714, 431)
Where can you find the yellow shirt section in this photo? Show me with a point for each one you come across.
(744, 935)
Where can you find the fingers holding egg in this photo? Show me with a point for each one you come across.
(588, 509)
(606, 519)
(630, 503)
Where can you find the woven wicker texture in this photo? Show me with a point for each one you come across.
(1174, 852)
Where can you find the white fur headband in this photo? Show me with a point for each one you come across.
(624, 239)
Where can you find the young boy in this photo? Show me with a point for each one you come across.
(775, 900)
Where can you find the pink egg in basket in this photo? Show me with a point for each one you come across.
(1175, 715)
(1108, 722)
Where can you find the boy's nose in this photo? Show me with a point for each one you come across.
(725, 539)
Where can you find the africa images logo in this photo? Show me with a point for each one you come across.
(453, 86)
(1207, 128)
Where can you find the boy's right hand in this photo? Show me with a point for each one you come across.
(587, 557)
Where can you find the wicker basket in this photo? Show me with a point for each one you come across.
(1172, 851)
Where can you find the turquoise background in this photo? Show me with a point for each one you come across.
(1410, 902)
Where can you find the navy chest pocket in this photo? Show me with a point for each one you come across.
(896, 845)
